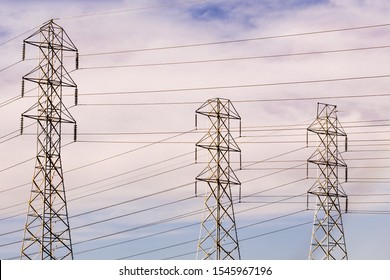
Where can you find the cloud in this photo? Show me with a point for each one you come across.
(268, 127)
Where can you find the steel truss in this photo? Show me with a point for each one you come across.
(328, 241)
(218, 235)
(47, 231)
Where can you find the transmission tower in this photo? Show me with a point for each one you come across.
(218, 235)
(47, 231)
(328, 241)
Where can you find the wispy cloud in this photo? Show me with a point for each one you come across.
(268, 148)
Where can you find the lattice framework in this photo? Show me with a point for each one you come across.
(218, 237)
(328, 240)
(47, 230)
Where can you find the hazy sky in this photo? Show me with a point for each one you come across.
(145, 67)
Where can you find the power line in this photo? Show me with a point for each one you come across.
(108, 158)
(112, 188)
(238, 142)
(240, 40)
(236, 101)
(159, 249)
(13, 137)
(239, 86)
(13, 188)
(15, 98)
(10, 66)
(130, 171)
(265, 160)
(130, 200)
(130, 151)
(133, 213)
(275, 127)
(17, 164)
(177, 217)
(194, 240)
(20, 35)
(131, 10)
(191, 213)
(271, 174)
(275, 231)
(182, 227)
(132, 182)
(375, 120)
(232, 59)
(368, 212)
(185, 215)
(125, 202)
(9, 101)
(136, 239)
(170, 230)
(121, 186)
(24, 161)
(253, 237)
(175, 188)
(259, 128)
(188, 215)
(121, 203)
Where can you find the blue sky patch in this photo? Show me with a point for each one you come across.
(244, 10)
(210, 12)
(3, 33)
(300, 3)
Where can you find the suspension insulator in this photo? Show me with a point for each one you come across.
(76, 97)
(22, 88)
(21, 125)
(75, 133)
(24, 51)
(77, 60)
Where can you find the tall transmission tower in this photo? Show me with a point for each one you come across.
(328, 241)
(218, 235)
(47, 231)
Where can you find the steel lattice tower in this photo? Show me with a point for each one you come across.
(47, 230)
(328, 241)
(218, 235)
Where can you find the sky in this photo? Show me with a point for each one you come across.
(146, 66)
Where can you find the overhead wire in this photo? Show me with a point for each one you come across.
(125, 184)
(66, 171)
(169, 203)
(240, 40)
(95, 192)
(240, 101)
(252, 164)
(130, 171)
(248, 128)
(78, 168)
(112, 218)
(10, 101)
(131, 10)
(117, 204)
(106, 13)
(249, 238)
(188, 214)
(194, 240)
(99, 161)
(18, 36)
(275, 231)
(132, 182)
(10, 66)
(173, 63)
(211, 88)
(135, 239)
